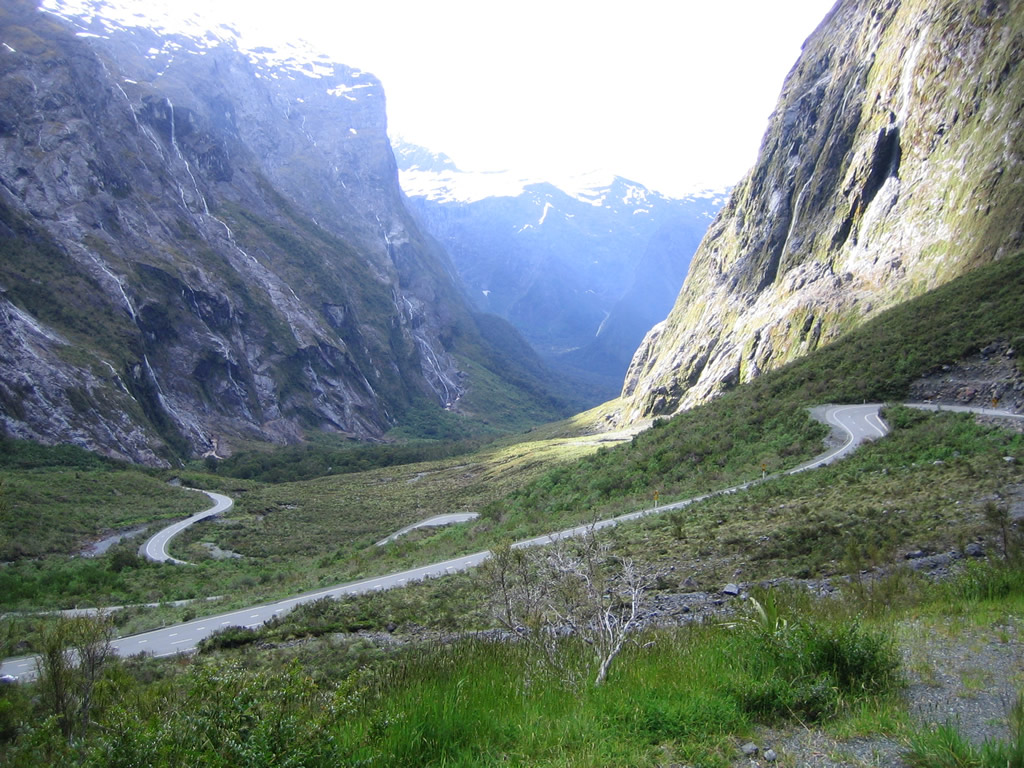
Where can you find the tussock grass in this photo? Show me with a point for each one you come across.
(869, 510)
(946, 747)
(685, 694)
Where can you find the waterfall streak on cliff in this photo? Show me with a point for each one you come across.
(793, 218)
(120, 286)
(188, 168)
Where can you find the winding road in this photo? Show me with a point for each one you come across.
(431, 522)
(853, 423)
(155, 548)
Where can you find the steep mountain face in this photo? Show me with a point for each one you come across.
(892, 164)
(203, 246)
(583, 271)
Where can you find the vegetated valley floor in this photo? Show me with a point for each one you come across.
(964, 670)
(852, 517)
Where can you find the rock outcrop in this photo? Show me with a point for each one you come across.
(892, 164)
(204, 245)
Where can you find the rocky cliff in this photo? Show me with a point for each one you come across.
(892, 164)
(203, 245)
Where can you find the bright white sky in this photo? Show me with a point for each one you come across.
(674, 94)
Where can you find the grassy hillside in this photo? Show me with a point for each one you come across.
(406, 692)
(297, 535)
(53, 501)
(765, 421)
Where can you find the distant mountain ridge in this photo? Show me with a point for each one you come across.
(893, 163)
(204, 246)
(582, 267)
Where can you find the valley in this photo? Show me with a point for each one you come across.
(855, 424)
(921, 491)
(582, 268)
(761, 506)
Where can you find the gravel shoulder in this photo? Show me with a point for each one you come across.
(957, 673)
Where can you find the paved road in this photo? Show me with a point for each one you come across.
(430, 522)
(856, 422)
(967, 409)
(155, 548)
(181, 638)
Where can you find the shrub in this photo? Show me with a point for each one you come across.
(229, 637)
(810, 669)
(981, 581)
(855, 658)
(777, 698)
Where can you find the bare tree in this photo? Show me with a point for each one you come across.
(74, 653)
(574, 587)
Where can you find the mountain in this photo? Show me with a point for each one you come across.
(204, 245)
(583, 267)
(891, 165)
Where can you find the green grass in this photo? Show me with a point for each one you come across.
(304, 534)
(888, 498)
(54, 511)
(946, 747)
(295, 536)
(325, 456)
(868, 510)
(727, 440)
(689, 695)
(681, 694)
(878, 360)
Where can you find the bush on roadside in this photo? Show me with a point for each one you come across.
(812, 668)
(229, 637)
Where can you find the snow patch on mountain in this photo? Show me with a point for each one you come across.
(456, 186)
(101, 18)
(437, 179)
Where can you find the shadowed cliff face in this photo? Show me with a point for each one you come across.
(201, 246)
(892, 164)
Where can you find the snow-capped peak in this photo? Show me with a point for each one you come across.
(435, 177)
(101, 18)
